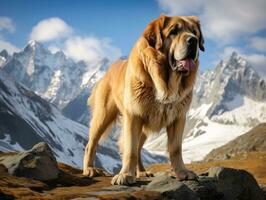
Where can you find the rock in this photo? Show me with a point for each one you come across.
(170, 188)
(38, 163)
(205, 188)
(236, 184)
(216, 184)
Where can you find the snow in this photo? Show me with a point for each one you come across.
(242, 111)
(6, 144)
(201, 111)
(195, 148)
(2, 61)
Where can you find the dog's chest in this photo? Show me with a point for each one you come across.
(161, 115)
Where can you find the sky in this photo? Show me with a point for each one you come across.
(91, 30)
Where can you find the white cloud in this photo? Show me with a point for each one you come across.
(227, 52)
(223, 21)
(59, 35)
(7, 24)
(258, 43)
(91, 49)
(258, 61)
(8, 46)
(50, 29)
(181, 7)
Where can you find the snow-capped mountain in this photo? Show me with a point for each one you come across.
(53, 76)
(227, 102)
(26, 118)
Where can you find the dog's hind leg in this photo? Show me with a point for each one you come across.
(104, 114)
(141, 171)
(132, 126)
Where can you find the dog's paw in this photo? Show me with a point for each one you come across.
(123, 179)
(185, 174)
(144, 174)
(93, 171)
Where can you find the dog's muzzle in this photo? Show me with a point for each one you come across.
(187, 63)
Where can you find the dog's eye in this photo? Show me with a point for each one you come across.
(174, 31)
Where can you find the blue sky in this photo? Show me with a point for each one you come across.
(91, 29)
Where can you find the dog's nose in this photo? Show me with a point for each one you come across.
(192, 41)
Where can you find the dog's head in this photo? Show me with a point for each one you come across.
(179, 38)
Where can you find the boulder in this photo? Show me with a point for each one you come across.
(170, 188)
(236, 184)
(38, 163)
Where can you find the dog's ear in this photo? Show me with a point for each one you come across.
(196, 20)
(153, 32)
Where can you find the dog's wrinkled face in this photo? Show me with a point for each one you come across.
(179, 38)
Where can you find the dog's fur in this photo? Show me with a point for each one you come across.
(148, 94)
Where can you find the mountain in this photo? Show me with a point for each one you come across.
(26, 119)
(227, 101)
(252, 141)
(53, 76)
(77, 109)
(4, 57)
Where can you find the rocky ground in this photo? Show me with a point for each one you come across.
(36, 175)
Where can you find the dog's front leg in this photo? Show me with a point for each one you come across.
(175, 133)
(132, 127)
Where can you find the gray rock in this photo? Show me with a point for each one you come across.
(37, 163)
(205, 188)
(236, 184)
(170, 188)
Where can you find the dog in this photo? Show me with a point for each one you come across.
(149, 91)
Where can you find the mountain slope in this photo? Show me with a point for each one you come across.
(227, 102)
(253, 140)
(26, 118)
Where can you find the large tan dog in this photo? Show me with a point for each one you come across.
(151, 90)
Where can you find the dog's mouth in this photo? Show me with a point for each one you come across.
(184, 65)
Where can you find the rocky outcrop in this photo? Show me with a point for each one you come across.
(236, 184)
(34, 175)
(38, 163)
(252, 141)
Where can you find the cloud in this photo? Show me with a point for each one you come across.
(91, 49)
(227, 52)
(258, 62)
(181, 7)
(258, 43)
(7, 24)
(223, 20)
(88, 48)
(50, 29)
(8, 46)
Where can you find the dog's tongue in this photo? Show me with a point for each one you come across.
(187, 63)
